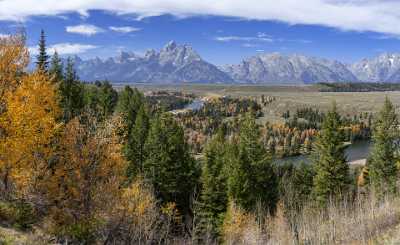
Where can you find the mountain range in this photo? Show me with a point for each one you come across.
(182, 64)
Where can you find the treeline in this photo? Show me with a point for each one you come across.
(310, 120)
(168, 101)
(358, 87)
(201, 124)
(111, 170)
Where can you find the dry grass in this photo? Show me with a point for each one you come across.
(289, 97)
(360, 223)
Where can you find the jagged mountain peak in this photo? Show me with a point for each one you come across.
(380, 68)
(173, 63)
(294, 68)
(171, 45)
(181, 63)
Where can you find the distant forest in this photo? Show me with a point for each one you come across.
(358, 87)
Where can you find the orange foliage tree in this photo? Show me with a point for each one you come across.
(88, 175)
(27, 119)
(14, 58)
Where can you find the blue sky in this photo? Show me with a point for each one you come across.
(219, 34)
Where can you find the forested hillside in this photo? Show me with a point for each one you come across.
(86, 164)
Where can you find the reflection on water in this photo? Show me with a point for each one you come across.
(195, 105)
(356, 151)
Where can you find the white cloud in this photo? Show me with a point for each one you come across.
(381, 16)
(243, 39)
(2, 35)
(65, 48)
(259, 38)
(87, 30)
(124, 29)
(250, 45)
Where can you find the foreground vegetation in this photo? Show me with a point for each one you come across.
(85, 164)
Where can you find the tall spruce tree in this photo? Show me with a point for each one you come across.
(129, 102)
(134, 148)
(56, 68)
(71, 93)
(332, 171)
(169, 165)
(252, 179)
(382, 161)
(108, 98)
(214, 198)
(42, 58)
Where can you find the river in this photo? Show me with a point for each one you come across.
(355, 152)
(195, 105)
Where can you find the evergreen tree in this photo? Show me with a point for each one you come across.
(108, 98)
(134, 149)
(42, 58)
(251, 177)
(213, 198)
(71, 93)
(332, 171)
(382, 162)
(56, 68)
(169, 165)
(129, 102)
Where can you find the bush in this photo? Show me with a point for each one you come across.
(19, 214)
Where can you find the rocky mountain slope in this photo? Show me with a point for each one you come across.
(277, 68)
(182, 64)
(383, 68)
(173, 63)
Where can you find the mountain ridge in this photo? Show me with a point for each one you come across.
(175, 63)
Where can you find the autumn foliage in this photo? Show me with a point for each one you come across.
(28, 121)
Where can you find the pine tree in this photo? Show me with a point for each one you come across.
(134, 148)
(251, 177)
(129, 103)
(169, 165)
(332, 171)
(56, 68)
(382, 162)
(42, 58)
(71, 93)
(213, 198)
(108, 99)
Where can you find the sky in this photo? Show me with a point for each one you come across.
(221, 31)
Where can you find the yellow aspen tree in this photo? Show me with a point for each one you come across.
(29, 125)
(14, 57)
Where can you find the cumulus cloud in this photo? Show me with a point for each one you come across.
(65, 48)
(124, 29)
(87, 30)
(381, 16)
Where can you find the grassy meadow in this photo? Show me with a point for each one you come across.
(286, 97)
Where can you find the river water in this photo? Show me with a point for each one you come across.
(196, 104)
(357, 151)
